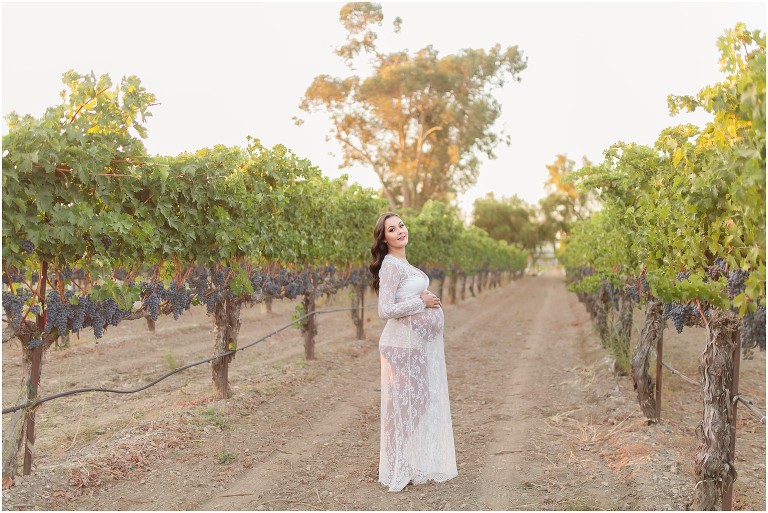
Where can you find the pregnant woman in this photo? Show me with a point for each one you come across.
(416, 430)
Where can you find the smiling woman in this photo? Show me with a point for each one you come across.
(416, 429)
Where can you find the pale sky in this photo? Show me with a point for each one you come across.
(597, 73)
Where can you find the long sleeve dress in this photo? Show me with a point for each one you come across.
(416, 430)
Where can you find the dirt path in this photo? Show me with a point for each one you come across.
(540, 421)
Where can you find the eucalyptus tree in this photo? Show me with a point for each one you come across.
(421, 122)
(509, 219)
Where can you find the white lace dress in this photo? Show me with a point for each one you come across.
(416, 430)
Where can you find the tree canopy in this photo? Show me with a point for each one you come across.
(421, 122)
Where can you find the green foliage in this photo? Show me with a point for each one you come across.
(509, 219)
(80, 192)
(225, 458)
(696, 196)
(298, 313)
(69, 178)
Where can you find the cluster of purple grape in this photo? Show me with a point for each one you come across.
(177, 296)
(717, 269)
(180, 298)
(613, 293)
(736, 282)
(13, 305)
(74, 314)
(27, 247)
(631, 288)
(753, 329)
(683, 314)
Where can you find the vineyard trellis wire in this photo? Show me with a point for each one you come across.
(739, 397)
(37, 402)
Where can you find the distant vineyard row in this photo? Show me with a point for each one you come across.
(682, 232)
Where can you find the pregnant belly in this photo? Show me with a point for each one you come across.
(413, 331)
(428, 324)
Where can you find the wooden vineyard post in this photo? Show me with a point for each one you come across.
(310, 326)
(358, 309)
(34, 380)
(728, 494)
(361, 327)
(659, 354)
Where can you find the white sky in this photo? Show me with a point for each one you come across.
(597, 73)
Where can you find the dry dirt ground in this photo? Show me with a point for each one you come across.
(540, 420)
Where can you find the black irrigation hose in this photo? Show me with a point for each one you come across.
(37, 402)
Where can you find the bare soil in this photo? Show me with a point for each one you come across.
(541, 421)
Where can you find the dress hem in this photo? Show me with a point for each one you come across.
(416, 480)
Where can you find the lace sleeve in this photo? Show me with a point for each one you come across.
(389, 279)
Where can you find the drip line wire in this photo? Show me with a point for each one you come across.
(35, 403)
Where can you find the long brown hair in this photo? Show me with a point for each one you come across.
(379, 248)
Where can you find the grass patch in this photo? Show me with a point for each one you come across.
(581, 504)
(212, 417)
(172, 362)
(225, 458)
(620, 349)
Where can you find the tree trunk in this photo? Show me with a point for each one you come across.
(358, 309)
(715, 469)
(472, 285)
(601, 306)
(266, 305)
(15, 430)
(151, 324)
(653, 331)
(226, 315)
(440, 288)
(309, 328)
(14, 435)
(463, 286)
(625, 316)
(452, 289)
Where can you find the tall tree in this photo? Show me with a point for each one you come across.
(508, 219)
(564, 203)
(421, 122)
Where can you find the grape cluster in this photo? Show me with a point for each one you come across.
(74, 314)
(717, 269)
(631, 289)
(13, 305)
(753, 329)
(177, 296)
(613, 293)
(683, 314)
(180, 298)
(107, 241)
(736, 282)
(682, 276)
(27, 247)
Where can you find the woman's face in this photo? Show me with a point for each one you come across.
(395, 233)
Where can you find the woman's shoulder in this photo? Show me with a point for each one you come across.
(392, 262)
